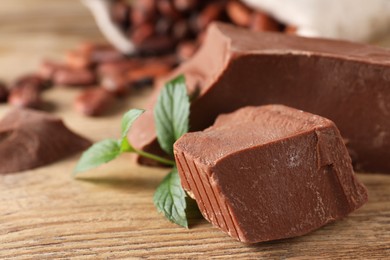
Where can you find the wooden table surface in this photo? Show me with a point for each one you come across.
(109, 214)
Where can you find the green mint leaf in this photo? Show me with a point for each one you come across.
(171, 113)
(127, 121)
(99, 153)
(125, 146)
(170, 199)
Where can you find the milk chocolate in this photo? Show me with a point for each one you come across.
(269, 172)
(29, 139)
(346, 82)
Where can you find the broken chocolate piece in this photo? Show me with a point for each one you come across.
(346, 82)
(270, 172)
(29, 139)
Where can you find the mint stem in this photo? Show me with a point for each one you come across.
(154, 157)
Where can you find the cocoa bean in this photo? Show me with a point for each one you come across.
(117, 84)
(26, 95)
(74, 77)
(181, 29)
(290, 29)
(77, 60)
(142, 32)
(263, 22)
(94, 102)
(209, 14)
(186, 50)
(86, 47)
(48, 69)
(118, 67)
(4, 92)
(104, 53)
(150, 70)
(156, 44)
(142, 11)
(163, 26)
(120, 14)
(167, 9)
(31, 79)
(185, 5)
(239, 13)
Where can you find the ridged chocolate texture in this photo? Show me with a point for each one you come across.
(29, 139)
(346, 82)
(270, 172)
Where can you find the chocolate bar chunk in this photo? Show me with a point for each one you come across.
(29, 139)
(346, 82)
(269, 172)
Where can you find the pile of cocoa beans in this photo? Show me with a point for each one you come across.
(101, 72)
(166, 26)
(165, 32)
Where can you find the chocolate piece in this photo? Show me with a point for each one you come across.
(346, 82)
(270, 172)
(29, 139)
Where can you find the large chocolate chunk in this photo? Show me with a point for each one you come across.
(29, 139)
(270, 172)
(345, 82)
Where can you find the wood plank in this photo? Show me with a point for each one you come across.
(109, 214)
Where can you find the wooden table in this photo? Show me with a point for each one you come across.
(109, 214)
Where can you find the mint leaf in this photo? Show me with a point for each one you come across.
(127, 121)
(99, 153)
(171, 113)
(170, 199)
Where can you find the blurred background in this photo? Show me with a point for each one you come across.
(43, 43)
(31, 30)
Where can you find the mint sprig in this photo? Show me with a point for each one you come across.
(171, 115)
(108, 150)
(99, 153)
(127, 121)
(170, 199)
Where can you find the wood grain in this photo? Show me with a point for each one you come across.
(109, 214)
